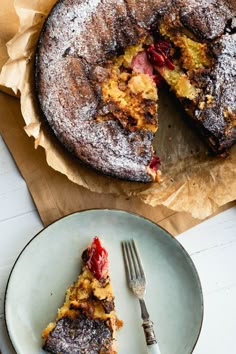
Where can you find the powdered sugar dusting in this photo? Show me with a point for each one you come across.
(226, 72)
(209, 16)
(83, 34)
(221, 87)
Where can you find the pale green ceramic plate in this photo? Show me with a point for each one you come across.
(51, 262)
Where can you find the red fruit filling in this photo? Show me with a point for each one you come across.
(163, 46)
(155, 55)
(159, 54)
(141, 65)
(97, 261)
(155, 163)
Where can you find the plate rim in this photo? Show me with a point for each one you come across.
(168, 234)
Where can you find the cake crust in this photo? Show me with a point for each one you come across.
(90, 335)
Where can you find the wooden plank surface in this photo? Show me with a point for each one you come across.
(212, 247)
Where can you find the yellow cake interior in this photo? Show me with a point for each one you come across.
(86, 294)
(133, 94)
(193, 56)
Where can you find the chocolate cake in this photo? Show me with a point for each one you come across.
(87, 321)
(98, 68)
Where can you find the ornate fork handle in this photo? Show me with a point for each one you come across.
(137, 283)
(152, 346)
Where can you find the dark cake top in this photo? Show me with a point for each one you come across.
(80, 36)
(91, 336)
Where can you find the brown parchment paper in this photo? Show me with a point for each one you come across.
(193, 182)
(7, 13)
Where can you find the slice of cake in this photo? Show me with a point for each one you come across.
(129, 96)
(203, 46)
(87, 321)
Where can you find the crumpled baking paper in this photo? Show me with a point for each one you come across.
(193, 181)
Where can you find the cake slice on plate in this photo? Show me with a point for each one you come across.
(87, 321)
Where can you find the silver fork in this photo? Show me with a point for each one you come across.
(137, 283)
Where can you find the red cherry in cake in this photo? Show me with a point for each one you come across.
(163, 46)
(169, 64)
(155, 163)
(159, 54)
(155, 57)
(97, 259)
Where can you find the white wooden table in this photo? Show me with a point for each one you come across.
(212, 246)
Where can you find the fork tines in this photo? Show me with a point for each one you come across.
(132, 260)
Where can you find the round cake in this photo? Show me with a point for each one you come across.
(98, 68)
